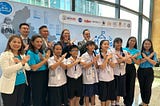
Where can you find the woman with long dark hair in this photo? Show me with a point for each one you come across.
(13, 63)
(39, 76)
(131, 48)
(145, 71)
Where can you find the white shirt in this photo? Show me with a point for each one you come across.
(75, 71)
(120, 67)
(106, 74)
(90, 74)
(57, 77)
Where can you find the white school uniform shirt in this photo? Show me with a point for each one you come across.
(90, 74)
(120, 67)
(57, 77)
(107, 73)
(75, 71)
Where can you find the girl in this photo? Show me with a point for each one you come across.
(145, 71)
(13, 63)
(106, 64)
(131, 48)
(57, 91)
(74, 73)
(89, 63)
(39, 70)
(119, 71)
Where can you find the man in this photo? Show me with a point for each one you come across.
(43, 31)
(24, 30)
(82, 44)
(24, 33)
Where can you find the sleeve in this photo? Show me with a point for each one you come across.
(6, 67)
(32, 59)
(99, 62)
(139, 56)
(51, 61)
(114, 60)
(155, 57)
(68, 61)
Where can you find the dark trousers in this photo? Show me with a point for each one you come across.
(145, 78)
(130, 84)
(27, 94)
(16, 98)
(39, 83)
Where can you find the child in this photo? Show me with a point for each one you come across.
(13, 63)
(145, 71)
(57, 88)
(90, 78)
(74, 73)
(119, 71)
(106, 64)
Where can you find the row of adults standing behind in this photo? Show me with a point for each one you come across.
(39, 78)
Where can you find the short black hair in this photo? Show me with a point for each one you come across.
(90, 43)
(43, 26)
(85, 31)
(23, 24)
(73, 46)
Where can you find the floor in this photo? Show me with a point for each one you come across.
(154, 98)
(137, 100)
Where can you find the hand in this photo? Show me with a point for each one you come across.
(16, 60)
(41, 56)
(109, 56)
(151, 55)
(95, 59)
(50, 44)
(144, 55)
(26, 47)
(119, 56)
(25, 59)
(48, 54)
(136, 55)
(72, 41)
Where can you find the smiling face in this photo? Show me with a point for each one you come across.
(24, 30)
(44, 32)
(74, 52)
(66, 36)
(104, 45)
(118, 45)
(15, 44)
(147, 45)
(37, 43)
(86, 35)
(132, 42)
(57, 50)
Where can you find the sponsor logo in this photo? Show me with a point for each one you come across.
(79, 19)
(5, 8)
(87, 21)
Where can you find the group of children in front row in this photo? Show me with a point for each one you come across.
(109, 74)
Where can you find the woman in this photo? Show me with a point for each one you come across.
(66, 42)
(13, 63)
(131, 48)
(39, 68)
(145, 71)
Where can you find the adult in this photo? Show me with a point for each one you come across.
(24, 30)
(13, 63)
(131, 48)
